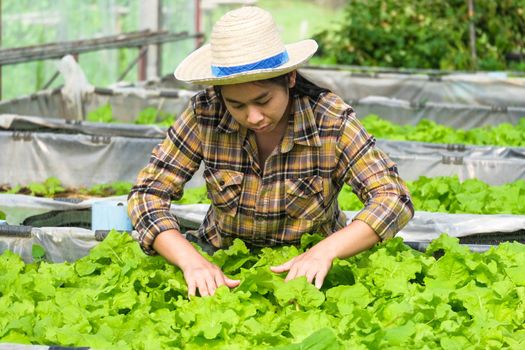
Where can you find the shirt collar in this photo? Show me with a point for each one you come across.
(227, 124)
(304, 130)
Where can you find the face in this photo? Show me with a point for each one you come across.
(258, 106)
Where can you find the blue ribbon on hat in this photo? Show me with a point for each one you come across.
(270, 62)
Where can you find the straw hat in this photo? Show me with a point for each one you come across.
(245, 46)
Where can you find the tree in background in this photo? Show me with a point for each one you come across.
(427, 34)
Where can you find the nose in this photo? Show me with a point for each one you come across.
(254, 116)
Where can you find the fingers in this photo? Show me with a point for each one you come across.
(191, 288)
(204, 277)
(197, 283)
(231, 283)
(289, 266)
(202, 285)
(222, 280)
(283, 267)
(317, 274)
(314, 269)
(219, 280)
(310, 275)
(213, 282)
(319, 279)
(207, 281)
(293, 274)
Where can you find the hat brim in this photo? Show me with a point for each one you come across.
(196, 68)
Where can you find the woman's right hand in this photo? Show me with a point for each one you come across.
(199, 273)
(202, 275)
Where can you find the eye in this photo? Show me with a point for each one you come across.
(262, 103)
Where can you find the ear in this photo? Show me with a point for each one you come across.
(292, 76)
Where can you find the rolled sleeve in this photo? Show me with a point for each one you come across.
(173, 162)
(388, 207)
(375, 180)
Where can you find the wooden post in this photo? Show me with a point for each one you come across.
(472, 35)
(151, 18)
(198, 41)
(158, 47)
(143, 65)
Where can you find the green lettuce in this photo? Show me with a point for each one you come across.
(387, 297)
(504, 134)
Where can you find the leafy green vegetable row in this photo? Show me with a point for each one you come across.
(52, 187)
(149, 115)
(504, 134)
(449, 195)
(388, 297)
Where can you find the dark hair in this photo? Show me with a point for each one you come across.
(302, 86)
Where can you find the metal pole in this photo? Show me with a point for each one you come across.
(51, 80)
(160, 23)
(472, 34)
(198, 41)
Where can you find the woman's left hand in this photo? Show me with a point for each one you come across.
(316, 262)
(313, 264)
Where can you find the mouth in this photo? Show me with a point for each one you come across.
(262, 128)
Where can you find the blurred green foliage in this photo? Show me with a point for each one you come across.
(426, 34)
(147, 116)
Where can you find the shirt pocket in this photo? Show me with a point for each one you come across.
(224, 189)
(304, 198)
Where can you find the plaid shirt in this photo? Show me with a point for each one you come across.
(324, 147)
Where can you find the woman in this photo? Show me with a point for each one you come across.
(276, 150)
